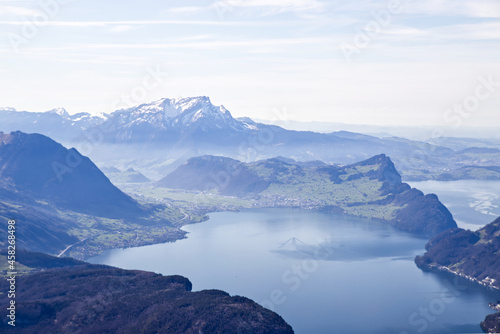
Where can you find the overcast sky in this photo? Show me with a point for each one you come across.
(407, 62)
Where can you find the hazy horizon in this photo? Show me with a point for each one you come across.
(256, 166)
(412, 132)
(392, 63)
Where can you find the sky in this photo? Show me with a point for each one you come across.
(395, 62)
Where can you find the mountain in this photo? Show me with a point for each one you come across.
(42, 229)
(371, 189)
(463, 143)
(62, 203)
(474, 255)
(471, 173)
(195, 124)
(56, 123)
(155, 137)
(39, 166)
(480, 150)
(68, 296)
(203, 173)
(466, 253)
(127, 176)
(173, 120)
(491, 323)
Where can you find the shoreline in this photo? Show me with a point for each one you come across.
(85, 254)
(493, 306)
(90, 253)
(439, 268)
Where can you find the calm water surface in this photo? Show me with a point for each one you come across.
(322, 273)
(472, 203)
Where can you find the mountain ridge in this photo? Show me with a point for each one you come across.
(473, 255)
(371, 189)
(466, 253)
(62, 295)
(193, 126)
(40, 166)
(73, 207)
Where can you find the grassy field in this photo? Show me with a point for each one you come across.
(97, 233)
(189, 200)
(21, 269)
(41, 226)
(352, 191)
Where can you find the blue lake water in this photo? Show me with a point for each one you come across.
(322, 273)
(472, 203)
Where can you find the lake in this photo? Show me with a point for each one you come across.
(472, 203)
(322, 273)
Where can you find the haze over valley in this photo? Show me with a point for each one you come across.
(257, 167)
(170, 163)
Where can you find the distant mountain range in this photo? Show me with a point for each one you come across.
(56, 123)
(451, 137)
(486, 173)
(371, 189)
(127, 176)
(69, 296)
(175, 121)
(163, 134)
(64, 204)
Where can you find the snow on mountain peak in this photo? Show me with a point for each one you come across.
(101, 115)
(189, 109)
(150, 108)
(59, 111)
(188, 103)
(224, 111)
(176, 114)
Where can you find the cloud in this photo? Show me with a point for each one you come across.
(285, 4)
(17, 11)
(107, 52)
(458, 33)
(153, 22)
(272, 6)
(121, 28)
(450, 8)
(476, 8)
(185, 10)
(213, 44)
(484, 8)
(479, 31)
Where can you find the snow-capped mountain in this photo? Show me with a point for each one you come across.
(56, 123)
(184, 127)
(59, 111)
(176, 113)
(164, 119)
(82, 120)
(169, 119)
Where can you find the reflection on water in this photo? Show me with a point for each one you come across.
(484, 203)
(322, 273)
(362, 247)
